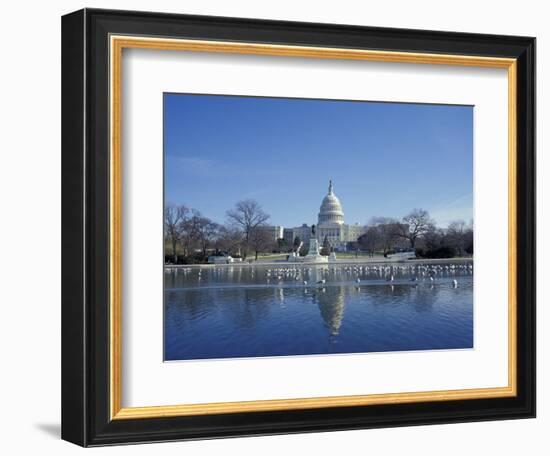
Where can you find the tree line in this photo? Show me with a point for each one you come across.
(190, 237)
(417, 231)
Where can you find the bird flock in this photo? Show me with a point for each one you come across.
(305, 275)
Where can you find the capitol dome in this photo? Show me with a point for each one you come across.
(331, 210)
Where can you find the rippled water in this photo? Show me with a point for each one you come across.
(248, 311)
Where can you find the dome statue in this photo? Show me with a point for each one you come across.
(331, 210)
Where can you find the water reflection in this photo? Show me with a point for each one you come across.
(331, 306)
(243, 311)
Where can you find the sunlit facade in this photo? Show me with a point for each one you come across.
(330, 225)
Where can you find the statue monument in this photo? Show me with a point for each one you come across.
(313, 255)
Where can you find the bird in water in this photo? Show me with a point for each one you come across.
(358, 280)
(305, 282)
(455, 283)
(322, 281)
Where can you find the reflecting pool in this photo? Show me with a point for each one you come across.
(276, 310)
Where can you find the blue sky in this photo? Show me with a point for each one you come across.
(384, 158)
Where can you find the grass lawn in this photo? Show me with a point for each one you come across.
(343, 255)
(269, 256)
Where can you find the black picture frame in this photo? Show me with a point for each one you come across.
(85, 225)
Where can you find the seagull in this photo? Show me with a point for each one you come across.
(358, 280)
(455, 283)
(323, 281)
(305, 282)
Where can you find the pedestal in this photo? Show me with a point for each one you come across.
(313, 255)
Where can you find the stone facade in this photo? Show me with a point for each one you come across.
(330, 225)
(275, 232)
(302, 232)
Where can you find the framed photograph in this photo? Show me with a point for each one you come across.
(279, 227)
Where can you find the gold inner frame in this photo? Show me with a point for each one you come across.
(117, 44)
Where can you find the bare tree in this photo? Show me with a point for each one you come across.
(229, 240)
(415, 225)
(247, 215)
(387, 230)
(260, 240)
(433, 238)
(460, 236)
(189, 232)
(370, 241)
(375, 221)
(174, 218)
(205, 232)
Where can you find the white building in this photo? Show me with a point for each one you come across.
(275, 232)
(330, 225)
(303, 233)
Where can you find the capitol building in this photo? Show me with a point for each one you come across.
(330, 226)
